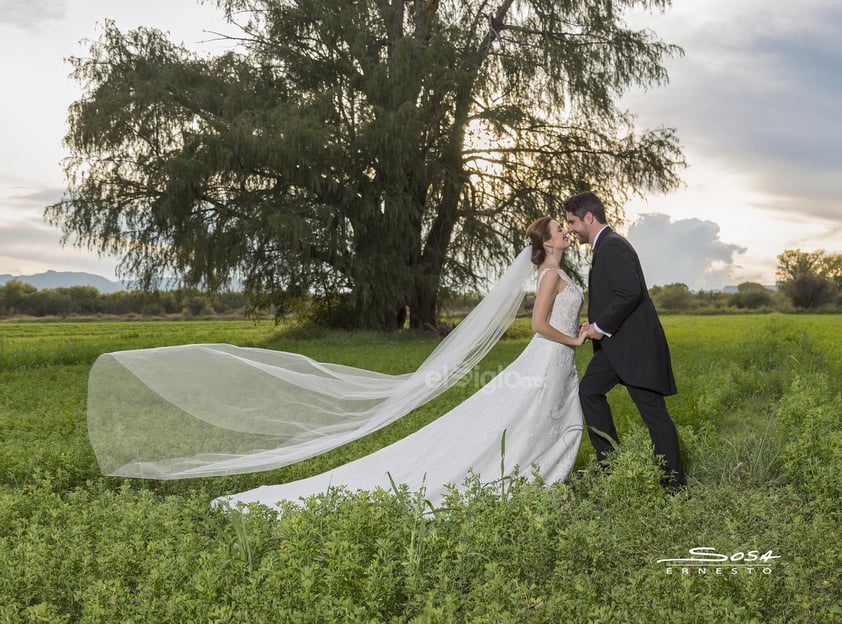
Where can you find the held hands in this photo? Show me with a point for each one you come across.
(582, 337)
(590, 331)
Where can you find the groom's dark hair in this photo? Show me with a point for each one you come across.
(586, 202)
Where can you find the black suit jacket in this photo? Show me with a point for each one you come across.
(619, 303)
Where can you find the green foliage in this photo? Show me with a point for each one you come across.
(672, 297)
(13, 295)
(810, 291)
(369, 153)
(758, 418)
(19, 299)
(752, 296)
(810, 418)
(809, 279)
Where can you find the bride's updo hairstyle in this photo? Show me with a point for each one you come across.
(537, 234)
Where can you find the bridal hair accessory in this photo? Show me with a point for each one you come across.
(216, 409)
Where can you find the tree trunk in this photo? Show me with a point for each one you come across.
(424, 301)
(379, 290)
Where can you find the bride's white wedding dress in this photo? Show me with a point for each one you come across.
(534, 401)
(206, 410)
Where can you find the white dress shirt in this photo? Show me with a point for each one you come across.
(593, 244)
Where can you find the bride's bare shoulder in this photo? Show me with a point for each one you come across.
(557, 279)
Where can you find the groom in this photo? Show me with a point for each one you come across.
(629, 344)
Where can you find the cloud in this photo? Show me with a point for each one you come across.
(758, 91)
(27, 248)
(30, 15)
(19, 195)
(686, 251)
(30, 245)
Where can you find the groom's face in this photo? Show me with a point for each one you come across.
(579, 227)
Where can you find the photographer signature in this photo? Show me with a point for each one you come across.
(706, 556)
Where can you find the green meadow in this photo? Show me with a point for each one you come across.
(759, 414)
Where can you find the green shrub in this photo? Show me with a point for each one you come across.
(810, 418)
(760, 433)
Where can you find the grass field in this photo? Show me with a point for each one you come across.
(758, 412)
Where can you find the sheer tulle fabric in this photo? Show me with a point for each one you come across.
(528, 415)
(215, 409)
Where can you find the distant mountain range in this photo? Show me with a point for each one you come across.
(65, 279)
(733, 289)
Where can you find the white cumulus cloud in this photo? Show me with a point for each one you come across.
(686, 251)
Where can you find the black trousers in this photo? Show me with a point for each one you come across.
(600, 377)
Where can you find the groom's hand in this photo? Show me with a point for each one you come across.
(592, 332)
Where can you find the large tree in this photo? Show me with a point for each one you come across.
(368, 153)
(809, 278)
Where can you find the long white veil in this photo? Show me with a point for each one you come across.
(215, 409)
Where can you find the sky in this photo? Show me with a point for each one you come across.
(755, 102)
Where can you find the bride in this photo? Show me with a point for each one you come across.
(205, 410)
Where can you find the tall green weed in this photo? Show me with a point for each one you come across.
(760, 427)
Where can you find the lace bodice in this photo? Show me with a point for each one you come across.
(567, 305)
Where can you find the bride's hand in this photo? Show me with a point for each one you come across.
(582, 337)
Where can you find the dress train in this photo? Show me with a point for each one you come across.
(534, 401)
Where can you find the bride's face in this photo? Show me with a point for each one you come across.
(558, 236)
